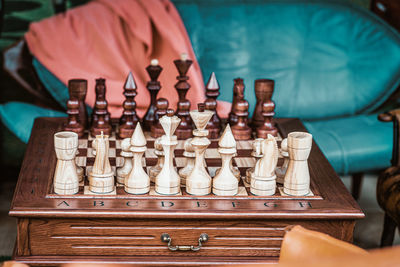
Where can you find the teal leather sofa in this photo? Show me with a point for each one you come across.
(334, 65)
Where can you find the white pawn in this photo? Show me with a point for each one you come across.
(281, 171)
(256, 153)
(124, 171)
(263, 180)
(158, 150)
(297, 178)
(66, 181)
(190, 156)
(137, 182)
(225, 183)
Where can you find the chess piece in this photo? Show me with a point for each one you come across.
(100, 116)
(256, 153)
(129, 118)
(212, 92)
(158, 150)
(238, 94)
(241, 131)
(184, 130)
(199, 181)
(66, 181)
(225, 183)
(137, 182)
(100, 89)
(161, 110)
(190, 155)
(281, 171)
(267, 127)
(168, 181)
(126, 153)
(297, 178)
(153, 86)
(263, 180)
(77, 93)
(79, 169)
(264, 88)
(101, 176)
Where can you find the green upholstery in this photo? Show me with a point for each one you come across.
(333, 64)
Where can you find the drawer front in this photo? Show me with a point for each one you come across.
(143, 238)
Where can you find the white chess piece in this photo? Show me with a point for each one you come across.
(256, 153)
(79, 169)
(199, 181)
(225, 183)
(66, 181)
(137, 182)
(263, 180)
(168, 181)
(101, 176)
(190, 156)
(281, 171)
(297, 178)
(158, 150)
(126, 168)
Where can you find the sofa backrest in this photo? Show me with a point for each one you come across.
(328, 58)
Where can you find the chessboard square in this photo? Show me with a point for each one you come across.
(88, 192)
(80, 161)
(90, 137)
(150, 153)
(181, 144)
(180, 162)
(112, 152)
(242, 191)
(212, 153)
(89, 153)
(242, 162)
(113, 136)
(212, 170)
(82, 143)
(88, 169)
(119, 161)
(112, 144)
(244, 144)
(148, 136)
(118, 144)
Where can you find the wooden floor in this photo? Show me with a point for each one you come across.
(366, 235)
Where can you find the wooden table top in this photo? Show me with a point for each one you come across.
(31, 198)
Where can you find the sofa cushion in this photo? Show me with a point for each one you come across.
(355, 144)
(19, 117)
(329, 58)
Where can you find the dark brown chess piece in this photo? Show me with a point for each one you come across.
(129, 117)
(238, 94)
(268, 126)
(100, 123)
(100, 87)
(153, 86)
(184, 130)
(240, 130)
(73, 124)
(212, 92)
(78, 88)
(161, 109)
(264, 88)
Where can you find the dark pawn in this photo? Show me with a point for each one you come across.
(184, 129)
(240, 130)
(212, 92)
(78, 88)
(153, 86)
(100, 123)
(238, 94)
(129, 117)
(264, 89)
(73, 124)
(161, 109)
(100, 87)
(267, 127)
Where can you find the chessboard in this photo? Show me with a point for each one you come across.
(243, 160)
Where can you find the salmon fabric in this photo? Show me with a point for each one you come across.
(107, 38)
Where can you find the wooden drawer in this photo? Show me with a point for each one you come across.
(143, 238)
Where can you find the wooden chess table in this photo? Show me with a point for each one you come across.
(156, 229)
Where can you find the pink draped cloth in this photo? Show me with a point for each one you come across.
(108, 38)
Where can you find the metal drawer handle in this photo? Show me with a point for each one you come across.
(167, 239)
